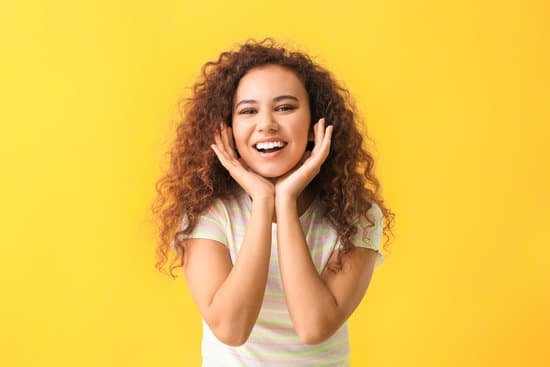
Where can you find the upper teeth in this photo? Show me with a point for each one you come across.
(270, 145)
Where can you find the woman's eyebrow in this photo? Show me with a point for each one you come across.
(245, 101)
(276, 99)
(285, 96)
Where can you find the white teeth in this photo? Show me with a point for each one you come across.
(270, 145)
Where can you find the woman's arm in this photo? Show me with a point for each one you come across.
(229, 296)
(318, 303)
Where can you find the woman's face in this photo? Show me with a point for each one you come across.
(271, 119)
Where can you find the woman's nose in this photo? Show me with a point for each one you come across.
(267, 123)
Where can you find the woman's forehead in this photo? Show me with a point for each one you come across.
(268, 81)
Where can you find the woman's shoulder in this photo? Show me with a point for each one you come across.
(370, 226)
(374, 213)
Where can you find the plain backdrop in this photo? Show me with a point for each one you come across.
(454, 93)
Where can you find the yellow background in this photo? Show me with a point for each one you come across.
(456, 96)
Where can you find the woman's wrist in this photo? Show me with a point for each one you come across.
(263, 202)
(285, 203)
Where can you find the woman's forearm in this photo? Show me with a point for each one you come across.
(312, 306)
(236, 304)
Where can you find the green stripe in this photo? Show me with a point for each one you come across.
(320, 230)
(274, 294)
(270, 337)
(275, 322)
(314, 350)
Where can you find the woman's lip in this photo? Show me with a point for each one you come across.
(271, 140)
(283, 143)
(270, 154)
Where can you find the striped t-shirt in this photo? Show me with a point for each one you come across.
(273, 341)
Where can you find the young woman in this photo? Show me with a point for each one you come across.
(272, 208)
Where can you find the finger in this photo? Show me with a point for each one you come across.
(318, 131)
(223, 133)
(231, 142)
(218, 142)
(322, 149)
(221, 151)
(230, 137)
(315, 133)
(227, 138)
(220, 155)
(327, 140)
(231, 165)
(221, 143)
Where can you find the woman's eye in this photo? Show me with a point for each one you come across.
(285, 107)
(247, 111)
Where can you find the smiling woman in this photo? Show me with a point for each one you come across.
(271, 120)
(278, 243)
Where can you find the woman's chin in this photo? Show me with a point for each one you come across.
(275, 171)
(272, 174)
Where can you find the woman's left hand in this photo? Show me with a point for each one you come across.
(291, 185)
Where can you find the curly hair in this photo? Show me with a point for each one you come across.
(346, 183)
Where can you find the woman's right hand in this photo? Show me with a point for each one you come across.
(256, 186)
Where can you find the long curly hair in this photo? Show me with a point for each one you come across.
(346, 183)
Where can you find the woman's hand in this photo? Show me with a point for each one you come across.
(256, 186)
(291, 185)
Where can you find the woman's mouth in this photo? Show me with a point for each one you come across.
(270, 146)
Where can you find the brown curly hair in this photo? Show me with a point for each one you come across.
(346, 183)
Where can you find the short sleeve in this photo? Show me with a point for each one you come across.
(210, 225)
(370, 236)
